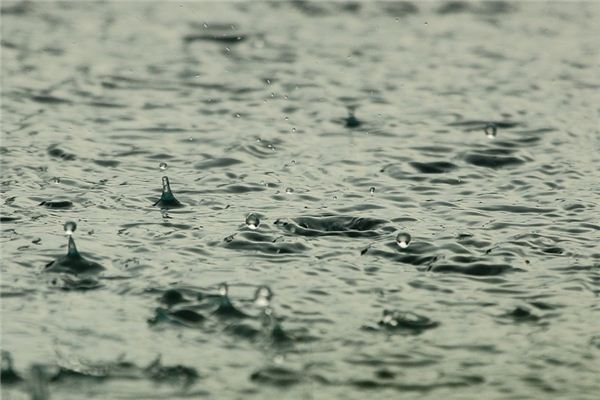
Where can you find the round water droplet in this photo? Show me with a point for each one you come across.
(372, 190)
(263, 296)
(252, 221)
(289, 190)
(56, 180)
(162, 166)
(403, 239)
(223, 289)
(293, 130)
(70, 227)
(490, 130)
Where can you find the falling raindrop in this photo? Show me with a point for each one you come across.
(223, 289)
(403, 239)
(289, 190)
(490, 130)
(70, 227)
(372, 190)
(162, 166)
(252, 221)
(56, 180)
(263, 296)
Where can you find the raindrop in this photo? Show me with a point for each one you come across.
(372, 190)
(162, 166)
(490, 131)
(223, 289)
(263, 296)
(70, 227)
(293, 130)
(252, 221)
(56, 180)
(389, 318)
(403, 239)
(289, 190)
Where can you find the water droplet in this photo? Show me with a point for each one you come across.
(238, 116)
(162, 166)
(263, 296)
(70, 227)
(293, 130)
(56, 180)
(403, 239)
(223, 289)
(389, 318)
(490, 131)
(252, 221)
(205, 25)
(289, 190)
(372, 190)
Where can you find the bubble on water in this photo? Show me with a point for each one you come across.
(224, 289)
(372, 189)
(403, 239)
(252, 221)
(263, 296)
(289, 190)
(162, 166)
(490, 130)
(70, 227)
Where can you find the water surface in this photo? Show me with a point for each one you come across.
(339, 126)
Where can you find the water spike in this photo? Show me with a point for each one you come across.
(351, 121)
(167, 199)
(166, 187)
(72, 249)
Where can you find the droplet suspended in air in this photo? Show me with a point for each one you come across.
(372, 190)
(403, 239)
(70, 227)
(162, 166)
(252, 221)
(490, 130)
(289, 190)
(263, 296)
(224, 289)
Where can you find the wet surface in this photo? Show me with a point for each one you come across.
(417, 183)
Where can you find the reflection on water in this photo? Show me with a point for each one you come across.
(402, 198)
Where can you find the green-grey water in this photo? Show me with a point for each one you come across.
(402, 199)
